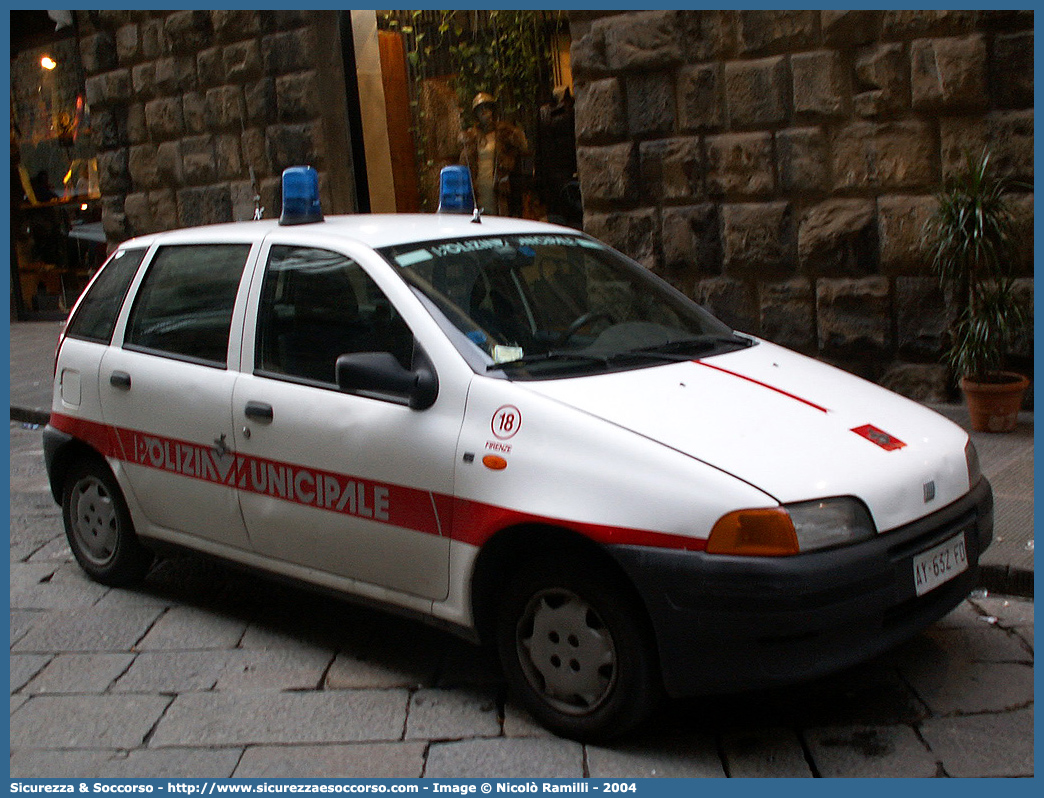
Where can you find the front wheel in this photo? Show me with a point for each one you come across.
(98, 526)
(576, 651)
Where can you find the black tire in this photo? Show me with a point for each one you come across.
(98, 526)
(576, 650)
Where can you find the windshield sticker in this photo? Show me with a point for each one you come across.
(411, 258)
(505, 354)
(547, 241)
(468, 245)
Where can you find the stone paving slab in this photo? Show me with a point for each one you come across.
(373, 760)
(172, 763)
(29, 763)
(1013, 537)
(658, 756)
(518, 723)
(976, 644)
(70, 630)
(441, 714)
(278, 669)
(23, 667)
(173, 672)
(220, 719)
(963, 687)
(50, 586)
(1026, 633)
(86, 721)
(1009, 613)
(983, 745)
(525, 758)
(21, 622)
(870, 751)
(31, 365)
(80, 673)
(192, 628)
(764, 753)
(349, 672)
(54, 548)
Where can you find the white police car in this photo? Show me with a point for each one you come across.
(510, 429)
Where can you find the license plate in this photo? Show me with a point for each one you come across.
(940, 564)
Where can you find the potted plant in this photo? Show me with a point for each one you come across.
(971, 236)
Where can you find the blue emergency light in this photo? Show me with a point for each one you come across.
(455, 194)
(301, 196)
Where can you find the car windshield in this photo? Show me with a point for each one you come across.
(547, 305)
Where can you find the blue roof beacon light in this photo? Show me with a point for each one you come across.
(300, 196)
(455, 194)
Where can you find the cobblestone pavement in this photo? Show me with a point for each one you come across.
(205, 672)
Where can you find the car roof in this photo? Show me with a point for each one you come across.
(374, 230)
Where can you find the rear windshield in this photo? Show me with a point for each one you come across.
(539, 306)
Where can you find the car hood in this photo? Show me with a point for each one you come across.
(791, 426)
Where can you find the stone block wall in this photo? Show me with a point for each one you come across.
(779, 166)
(195, 112)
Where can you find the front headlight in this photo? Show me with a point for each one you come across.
(828, 523)
(792, 528)
(971, 457)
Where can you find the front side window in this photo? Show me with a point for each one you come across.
(547, 305)
(184, 306)
(317, 305)
(96, 315)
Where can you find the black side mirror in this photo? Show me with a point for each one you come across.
(380, 375)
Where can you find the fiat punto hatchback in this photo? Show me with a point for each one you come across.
(510, 429)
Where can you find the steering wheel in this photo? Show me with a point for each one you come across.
(582, 321)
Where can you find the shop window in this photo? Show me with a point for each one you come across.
(57, 237)
(488, 89)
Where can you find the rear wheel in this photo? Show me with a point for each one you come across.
(98, 526)
(576, 651)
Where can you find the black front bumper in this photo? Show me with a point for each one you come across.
(728, 623)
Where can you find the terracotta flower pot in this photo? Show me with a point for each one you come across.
(994, 406)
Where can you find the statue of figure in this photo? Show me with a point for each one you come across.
(493, 150)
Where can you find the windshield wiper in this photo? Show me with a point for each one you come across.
(554, 354)
(691, 346)
(679, 350)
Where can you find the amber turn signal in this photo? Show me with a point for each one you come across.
(495, 462)
(754, 533)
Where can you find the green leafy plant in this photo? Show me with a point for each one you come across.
(506, 53)
(971, 237)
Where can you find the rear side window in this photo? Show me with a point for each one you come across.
(96, 316)
(184, 306)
